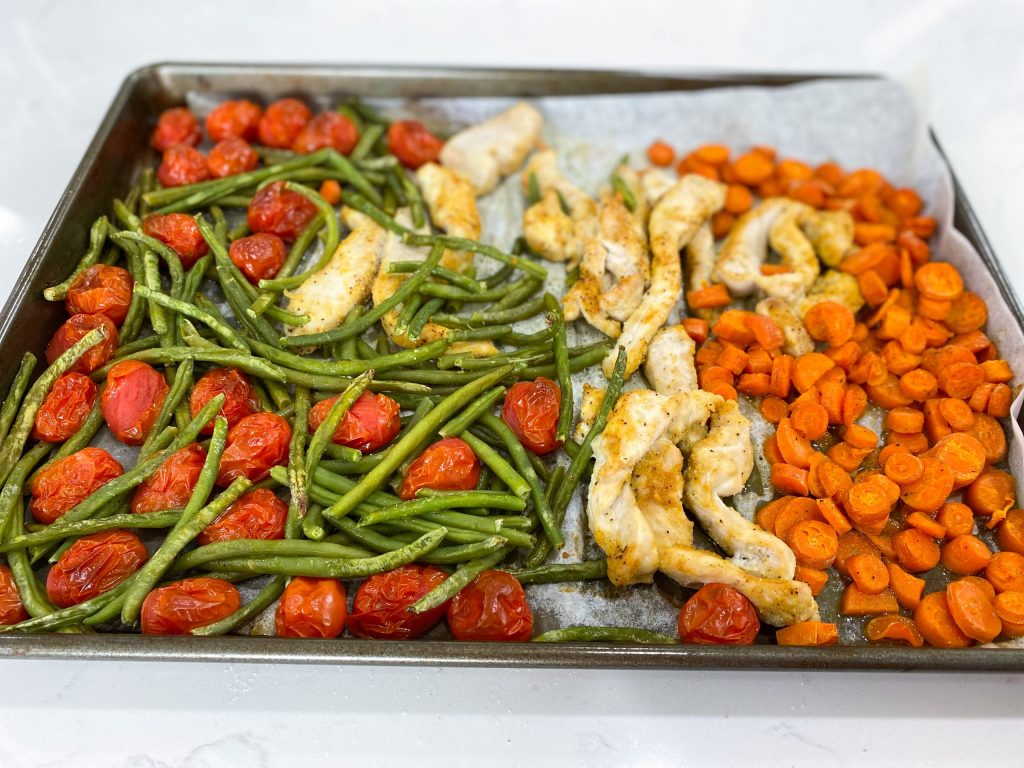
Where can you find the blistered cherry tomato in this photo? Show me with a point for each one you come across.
(131, 400)
(371, 423)
(234, 119)
(279, 211)
(379, 610)
(718, 615)
(531, 411)
(256, 444)
(239, 399)
(65, 408)
(11, 608)
(447, 465)
(188, 604)
(175, 126)
(171, 486)
(259, 256)
(182, 165)
(101, 290)
(282, 122)
(231, 156)
(257, 514)
(413, 144)
(328, 129)
(311, 608)
(94, 564)
(179, 232)
(66, 482)
(73, 330)
(491, 607)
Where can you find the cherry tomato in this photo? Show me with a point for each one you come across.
(234, 119)
(175, 126)
(257, 514)
(65, 408)
(379, 610)
(93, 565)
(371, 423)
(11, 608)
(182, 165)
(413, 144)
(69, 334)
(239, 399)
(101, 290)
(311, 608)
(63, 484)
(282, 122)
(531, 411)
(491, 607)
(231, 156)
(718, 615)
(131, 400)
(188, 604)
(255, 445)
(259, 256)
(280, 211)
(447, 465)
(179, 232)
(328, 129)
(171, 486)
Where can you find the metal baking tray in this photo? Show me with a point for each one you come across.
(118, 152)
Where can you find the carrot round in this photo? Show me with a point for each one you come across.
(907, 588)
(968, 312)
(721, 223)
(935, 425)
(709, 297)
(1005, 571)
(661, 153)
(999, 401)
(965, 555)
(860, 437)
(738, 199)
(834, 516)
(815, 578)
(808, 633)
(992, 491)
(972, 611)
(723, 389)
(962, 455)
(919, 385)
(846, 456)
(939, 280)
(898, 359)
(808, 368)
(935, 622)
(960, 379)
(774, 409)
(790, 479)
(997, 371)
(932, 490)
(915, 551)
(330, 190)
(1010, 533)
(752, 168)
(911, 442)
(904, 419)
(851, 544)
(794, 447)
(868, 573)
(814, 543)
(780, 375)
(982, 584)
(957, 413)
(989, 433)
(855, 602)
(957, 519)
(888, 394)
(831, 322)
(833, 478)
(766, 514)
(904, 468)
(796, 511)
(926, 525)
(712, 154)
(809, 419)
(893, 627)
(1009, 607)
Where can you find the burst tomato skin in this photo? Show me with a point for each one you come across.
(531, 412)
(66, 482)
(257, 514)
(311, 608)
(718, 615)
(279, 211)
(491, 607)
(371, 423)
(447, 465)
(72, 331)
(259, 256)
(180, 233)
(379, 610)
(234, 119)
(131, 400)
(328, 129)
(93, 565)
(413, 144)
(255, 445)
(175, 126)
(282, 122)
(171, 486)
(182, 165)
(239, 399)
(12, 610)
(178, 608)
(101, 290)
(65, 408)
(230, 157)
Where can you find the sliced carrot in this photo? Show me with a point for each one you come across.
(775, 269)
(865, 233)
(713, 154)
(850, 544)
(814, 487)
(814, 578)
(696, 328)
(867, 258)
(903, 468)
(754, 384)
(934, 360)
(833, 393)
(794, 447)
(771, 188)
(957, 413)
(722, 389)
(997, 371)
(738, 199)
(968, 312)
(709, 297)
(855, 602)
(1010, 533)
(753, 168)
(771, 451)
(978, 401)
(922, 226)
(904, 419)
(860, 436)
(829, 321)
(808, 633)
(919, 385)
(869, 369)
(855, 402)
(888, 394)
(831, 173)
(872, 287)
(732, 327)
(808, 368)
(897, 359)
(661, 153)
(846, 456)
(814, 543)
(936, 333)
(990, 434)
(834, 516)
(887, 486)
(721, 223)
(962, 454)
(867, 505)
(974, 342)
(693, 164)
(935, 622)
(773, 409)
(915, 338)
(833, 478)
(965, 555)
(906, 267)
(894, 322)
(868, 573)
(758, 361)
(972, 611)
(766, 514)
(1005, 572)
(891, 626)
(715, 373)
(933, 309)
(790, 479)
(845, 355)
(797, 510)
(904, 202)
(766, 331)
(915, 551)
(781, 367)
(1009, 607)
(993, 490)
(935, 425)
(809, 420)
(709, 352)
(960, 379)
(956, 518)
(926, 525)
(932, 490)
(999, 401)
(982, 584)
(810, 192)
(907, 588)
(330, 190)
(915, 247)
(911, 442)
(939, 280)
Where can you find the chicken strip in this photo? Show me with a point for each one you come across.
(551, 232)
(700, 266)
(655, 184)
(452, 205)
(831, 233)
(796, 340)
(669, 366)
(590, 403)
(833, 286)
(796, 252)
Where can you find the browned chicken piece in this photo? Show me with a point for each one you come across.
(551, 232)
(669, 366)
(831, 233)
(796, 340)
(833, 286)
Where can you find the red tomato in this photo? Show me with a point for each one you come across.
(718, 615)
(239, 399)
(447, 465)
(231, 156)
(413, 144)
(531, 411)
(66, 482)
(234, 119)
(188, 604)
(280, 211)
(259, 256)
(131, 400)
(101, 290)
(311, 608)
(171, 486)
(11, 608)
(379, 610)
(257, 514)
(182, 165)
(255, 445)
(371, 423)
(328, 129)
(73, 330)
(491, 607)
(282, 122)
(93, 565)
(179, 232)
(65, 408)
(175, 126)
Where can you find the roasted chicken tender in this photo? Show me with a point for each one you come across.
(589, 405)
(833, 286)
(831, 233)
(550, 231)
(796, 340)
(669, 366)
(796, 252)
(655, 184)
(451, 202)
(700, 266)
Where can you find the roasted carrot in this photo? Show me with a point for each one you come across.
(661, 153)
(866, 233)
(860, 436)
(868, 573)
(845, 355)
(794, 447)
(753, 168)
(713, 154)
(960, 379)
(872, 287)
(961, 454)
(999, 401)
(846, 456)
(330, 190)
(931, 491)
(867, 505)
(834, 479)
(915, 551)
(975, 342)
(929, 526)
(903, 468)
(780, 383)
(907, 588)
(721, 223)
(972, 611)
(830, 322)
(814, 543)
(1005, 572)
(978, 401)
(888, 394)
(809, 420)
(834, 516)
(758, 360)
(957, 413)
(1009, 607)
(696, 328)
(855, 602)
(997, 371)
(904, 419)
(738, 199)
(790, 479)
(808, 368)
(709, 297)
(891, 626)
(798, 510)
(773, 409)
(810, 192)
(992, 491)
(911, 442)
(855, 402)
(766, 514)
(982, 584)
(814, 578)
(935, 425)
(933, 309)
(898, 359)
(721, 388)
(754, 384)
(833, 393)
(965, 555)
(956, 518)
(771, 451)
(831, 173)
(808, 633)
(1010, 533)
(919, 385)
(939, 280)
(934, 360)
(967, 312)
(732, 327)
(935, 622)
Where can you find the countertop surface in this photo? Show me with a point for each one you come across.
(60, 64)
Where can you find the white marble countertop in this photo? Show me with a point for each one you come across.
(61, 62)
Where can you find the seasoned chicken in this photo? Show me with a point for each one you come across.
(669, 366)
(452, 205)
(700, 266)
(796, 340)
(796, 252)
(655, 184)
(831, 233)
(494, 148)
(550, 231)
(589, 405)
(833, 286)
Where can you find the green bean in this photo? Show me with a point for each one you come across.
(394, 184)
(529, 339)
(561, 348)
(369, 114)
(421, 506)
(330, 243)
(469, 362)
(13, 488)
(76, 614)
(353, 176)
(313, 523)
(561, 572)
(449, 275)
(146, 342)
(126, 216)
(164, 518)
(351, 366)
(191, 337)
(412, 194)
(240, 548)
(455, 293)
(224, 332)
(240, 230)
(220, 224)
(298, 481)
(97, 239)
(472, 412)
(137, 309)
(257, 325)
(532, 190)
(620, 186)
(519, 292)
(367, 139)
(451, 586)
(157, 316)
(263, 599)
(576, 363)
(165, 252)
(341, 485)
(32, 593)
(180, 387)
(16, 391)
(497, 317)
(605, 635)
(325, 431)
(491, 459)
(232, 201)
(227, 358)
(409, 310)
(445, 555)
(500, 276)
(421, 317)
(265, 300)
(343, 454)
